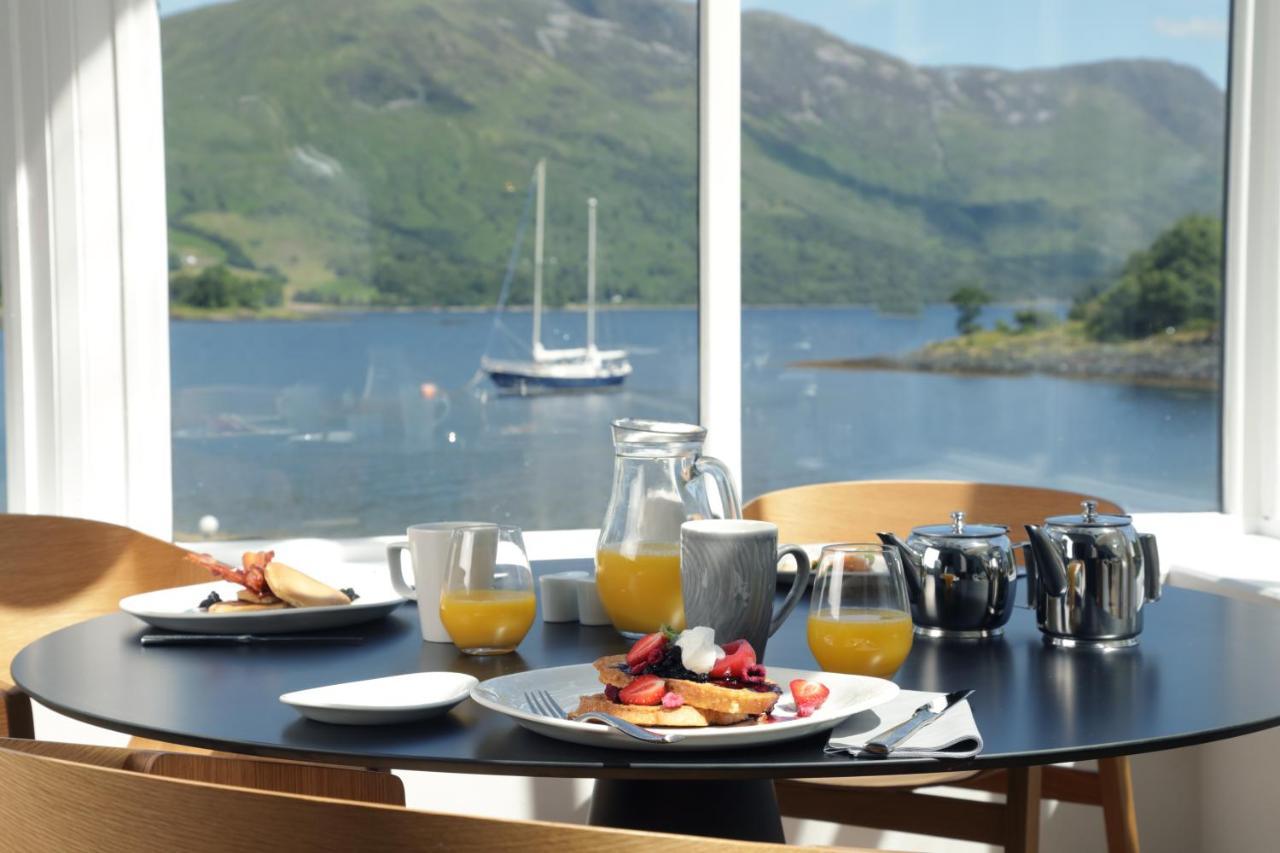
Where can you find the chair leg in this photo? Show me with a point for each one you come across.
(15, 714)
(1117, 805)
(1022, 810)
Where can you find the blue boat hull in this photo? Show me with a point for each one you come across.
(516, 380)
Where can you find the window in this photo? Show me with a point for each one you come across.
(347, 192)
(984, 241)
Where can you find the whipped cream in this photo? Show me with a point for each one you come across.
(698, 650)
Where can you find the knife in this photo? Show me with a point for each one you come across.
(924, 715)
(239, 639)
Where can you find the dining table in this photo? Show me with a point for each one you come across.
(1202, 671)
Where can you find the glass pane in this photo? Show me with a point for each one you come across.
(983, 241)
(352, 193)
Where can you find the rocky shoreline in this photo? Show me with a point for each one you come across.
(1183, 360)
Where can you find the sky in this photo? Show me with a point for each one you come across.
(1012, 34)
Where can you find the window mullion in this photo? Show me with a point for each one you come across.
(719, 229)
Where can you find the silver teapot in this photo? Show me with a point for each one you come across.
(960, 577)
(1088, 577)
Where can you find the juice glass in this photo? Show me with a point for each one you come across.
(859, 615)
(486, 601)
(640, 587)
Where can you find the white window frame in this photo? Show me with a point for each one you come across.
(84, 244)
(87, 381)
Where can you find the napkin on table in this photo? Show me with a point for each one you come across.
(954, 735)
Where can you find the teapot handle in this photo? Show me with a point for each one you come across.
(1150, 565)
(719, 472)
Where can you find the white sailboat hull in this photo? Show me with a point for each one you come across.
(560, 369)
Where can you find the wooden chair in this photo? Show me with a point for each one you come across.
(77, 801)
(57, 571)
(855, 512)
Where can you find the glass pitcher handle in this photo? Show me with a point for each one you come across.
(718, 471)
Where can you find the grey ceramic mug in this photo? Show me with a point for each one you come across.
(729, 574)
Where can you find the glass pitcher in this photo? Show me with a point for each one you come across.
(660, 481)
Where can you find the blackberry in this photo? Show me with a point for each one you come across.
(672, 666)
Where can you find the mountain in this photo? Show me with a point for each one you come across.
(380, 152)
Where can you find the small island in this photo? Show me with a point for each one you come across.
(1155, 322)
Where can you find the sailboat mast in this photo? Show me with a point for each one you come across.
(541, 173)
(591, 274)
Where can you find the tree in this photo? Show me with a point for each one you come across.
(1175, 282)
(218, 287)
(969, 301)
(1029, 320)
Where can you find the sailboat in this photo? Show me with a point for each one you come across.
(580, 367)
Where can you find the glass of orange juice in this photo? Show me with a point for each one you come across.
(639, 586)
(859, 615)
(486, 601)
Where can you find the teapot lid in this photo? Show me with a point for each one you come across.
(960, 529)
(1089, 518)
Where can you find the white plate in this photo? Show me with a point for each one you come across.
(381, 701)
(849, 695)
(176, 609)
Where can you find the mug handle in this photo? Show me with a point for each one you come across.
(798, 586)
(719, 472)
(396, 566)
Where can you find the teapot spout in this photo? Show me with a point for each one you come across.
(1047, 562)
(911, 564)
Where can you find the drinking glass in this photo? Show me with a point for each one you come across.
(859, 615)
(487, 602)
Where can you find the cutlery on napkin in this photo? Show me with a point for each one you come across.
(951, 735)
(239, 639)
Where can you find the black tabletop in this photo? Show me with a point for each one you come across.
(1203, 671)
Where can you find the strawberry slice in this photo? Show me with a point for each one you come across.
(737, 662)
(647, 651)
(808, 695)
(645, 690)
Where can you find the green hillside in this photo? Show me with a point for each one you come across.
(380, 152)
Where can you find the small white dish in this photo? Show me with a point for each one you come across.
(850, 694)
(383, 701)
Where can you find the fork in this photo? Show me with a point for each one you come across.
(544, 704)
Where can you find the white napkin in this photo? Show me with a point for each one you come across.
(954, 735)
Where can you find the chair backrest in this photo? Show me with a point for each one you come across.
(58, 806)
(57, 571)
(854, 511)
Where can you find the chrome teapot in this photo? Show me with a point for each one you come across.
(960, 577)
(1088, 577)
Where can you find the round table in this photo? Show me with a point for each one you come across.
(1201, 672)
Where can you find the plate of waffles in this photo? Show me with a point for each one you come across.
(723, 699)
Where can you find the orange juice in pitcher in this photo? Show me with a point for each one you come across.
(641, 591)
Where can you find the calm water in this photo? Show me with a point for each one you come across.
(360, 425)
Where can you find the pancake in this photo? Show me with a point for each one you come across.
(251, 597)
(243, 606)
(299, 590)
(685, 716)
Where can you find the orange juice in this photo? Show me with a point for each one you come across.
(861, 640)
(641, 591)
(494, 620)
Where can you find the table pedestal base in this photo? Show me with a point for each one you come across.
(744, 810)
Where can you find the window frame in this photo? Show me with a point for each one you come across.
(82, 350)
